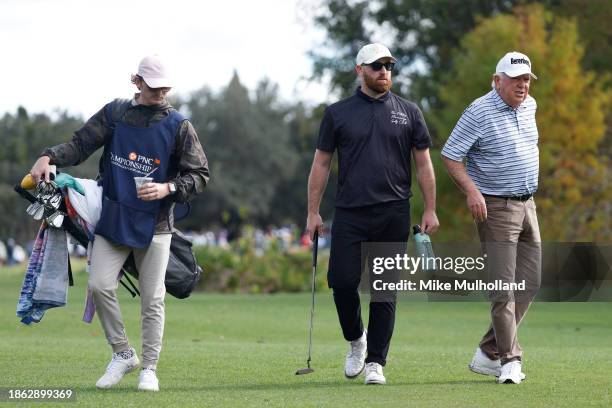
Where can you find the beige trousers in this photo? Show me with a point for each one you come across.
(107, 259)
(511, 238)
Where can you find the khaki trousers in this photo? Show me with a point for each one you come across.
(511, 238)
(107, 259)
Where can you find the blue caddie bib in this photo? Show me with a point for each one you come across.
(134, 151)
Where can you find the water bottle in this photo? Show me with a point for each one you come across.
(424, 249)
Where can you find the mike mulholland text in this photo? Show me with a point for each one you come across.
(436, 285)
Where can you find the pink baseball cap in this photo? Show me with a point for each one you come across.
(154, 72)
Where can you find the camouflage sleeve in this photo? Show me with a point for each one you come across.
(89, 138)
(192, 164)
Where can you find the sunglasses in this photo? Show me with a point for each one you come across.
(377, 66)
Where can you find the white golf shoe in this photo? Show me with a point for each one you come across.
(148, 380)
(355, 359)
(117, 368)
(482, 364)
(510, 373)
(374, 374)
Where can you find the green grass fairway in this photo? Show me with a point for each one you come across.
(241, 350)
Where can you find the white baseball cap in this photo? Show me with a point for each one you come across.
(154, 72)
(514, 64)
(373, 52)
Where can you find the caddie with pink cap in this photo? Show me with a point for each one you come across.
(141, 136)
(153, 71)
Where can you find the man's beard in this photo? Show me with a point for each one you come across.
(371, 83)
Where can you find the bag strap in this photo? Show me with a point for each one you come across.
(70, 277)
(112, 123)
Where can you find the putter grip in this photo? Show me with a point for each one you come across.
(315, 247)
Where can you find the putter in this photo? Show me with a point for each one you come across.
(315, 246)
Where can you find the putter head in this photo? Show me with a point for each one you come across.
(304, 371)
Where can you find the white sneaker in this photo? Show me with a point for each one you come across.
(355, 359)
(148, 380)
(482, 364)
(374, 374)
(510, 373)
(117, 368)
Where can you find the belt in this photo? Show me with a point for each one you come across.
(516, 198)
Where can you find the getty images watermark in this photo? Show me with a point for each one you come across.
(491, 271)
(458, 265)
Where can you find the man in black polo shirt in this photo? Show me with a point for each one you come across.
(374, 132)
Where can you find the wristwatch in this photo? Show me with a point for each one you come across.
(172, 187)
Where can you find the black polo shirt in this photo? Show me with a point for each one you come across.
(374, 139)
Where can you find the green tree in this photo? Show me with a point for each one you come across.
(422, 34)
(23, 137)
(291, 197)
(246, 140)
(574, 192)
(593, 18)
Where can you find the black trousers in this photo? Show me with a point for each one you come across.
(386, 222)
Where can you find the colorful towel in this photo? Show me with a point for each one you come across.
(66, 180)
(52, 283)
(88, 206)
(25, 303)
(45, 284)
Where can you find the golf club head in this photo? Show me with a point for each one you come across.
(55, 201)
(31, 210)
(56, 219)
(39, 188)
(40, 211)
(303, 371)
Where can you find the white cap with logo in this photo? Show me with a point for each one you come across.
(154, 72)
(373, 52)
(514, 64)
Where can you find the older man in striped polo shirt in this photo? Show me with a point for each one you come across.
(498, 137)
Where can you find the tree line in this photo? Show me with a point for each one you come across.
(260, 147)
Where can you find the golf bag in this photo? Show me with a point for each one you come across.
(182, 273)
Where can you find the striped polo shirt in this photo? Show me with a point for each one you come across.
(500, 143)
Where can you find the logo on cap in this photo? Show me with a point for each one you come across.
(514, 64)
(520, 61)
(133, 156)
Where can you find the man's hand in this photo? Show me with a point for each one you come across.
(314, 223)
(427, 183)
(477, 205)
(475, 200)
(41, 169)
(153, 191)
(317, 180)
(429, 222)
